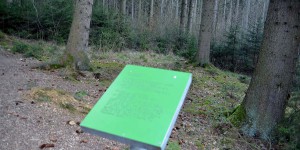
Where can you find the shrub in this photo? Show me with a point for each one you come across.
(238, 53)
(20, 47)
(108, 29)
(48, 19)
(33, 50)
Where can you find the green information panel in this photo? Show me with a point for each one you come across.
(140, 107)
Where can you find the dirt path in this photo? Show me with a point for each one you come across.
(28, 125)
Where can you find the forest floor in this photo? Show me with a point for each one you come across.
(42, 107)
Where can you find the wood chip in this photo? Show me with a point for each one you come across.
(83, 141)
(46, 146)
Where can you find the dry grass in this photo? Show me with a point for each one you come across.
(59, 98)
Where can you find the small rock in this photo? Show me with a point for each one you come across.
(79, 131)
(71, 122)
(18, 102)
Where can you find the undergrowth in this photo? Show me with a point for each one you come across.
(212, 97)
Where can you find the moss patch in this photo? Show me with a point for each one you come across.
(106, 70)
(173, 145)
(57, 97)
(238, 116)
(80, 95)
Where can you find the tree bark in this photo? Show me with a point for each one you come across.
(266, 98)
(132, 10)
(123, 7)
(139, 10)
(177, 10)
(162, 5)
(229, 19)
(79, 36)
(205, 32)
(151, 15)
(216, 8)
(246, 15)
(190, 16)
(183, 16)
(237, 8)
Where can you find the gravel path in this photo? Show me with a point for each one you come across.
(26, 125)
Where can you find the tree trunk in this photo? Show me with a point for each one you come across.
(79, 36)
(151, 15)
(237, 8)
(229, 19)
(177, 10)
(183, 16)
(132, 10)
(266, 98)
(246, 15)
(162, 5)
(224, 15)
(205, 32)
(139, 10)
(190, 16)
(195, 11)
(123, 7)
(216, 8)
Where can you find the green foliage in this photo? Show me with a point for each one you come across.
(238, 116)
(239, 51)
(48, 19)
(186, 46)
(288, 132)
(28, 50)
(141, 39)
(108, 29)
(67, 106)
(80, 95)
(2, 36)
(36, 50)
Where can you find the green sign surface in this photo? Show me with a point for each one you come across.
(140, 107)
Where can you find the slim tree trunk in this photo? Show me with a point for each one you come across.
(224, 16)
(195, 11)
(246, 15)
(237, 8)
(205, 32)
(162, 5)
(216, 8)
(79, 36)
(123, 7)
(183, 16)
(266, 98)
(139, 10)
(229, 20)
(132, 10)
(151, 15)
(177, 10)
(190, 16)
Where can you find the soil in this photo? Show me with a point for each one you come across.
(26, 124)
